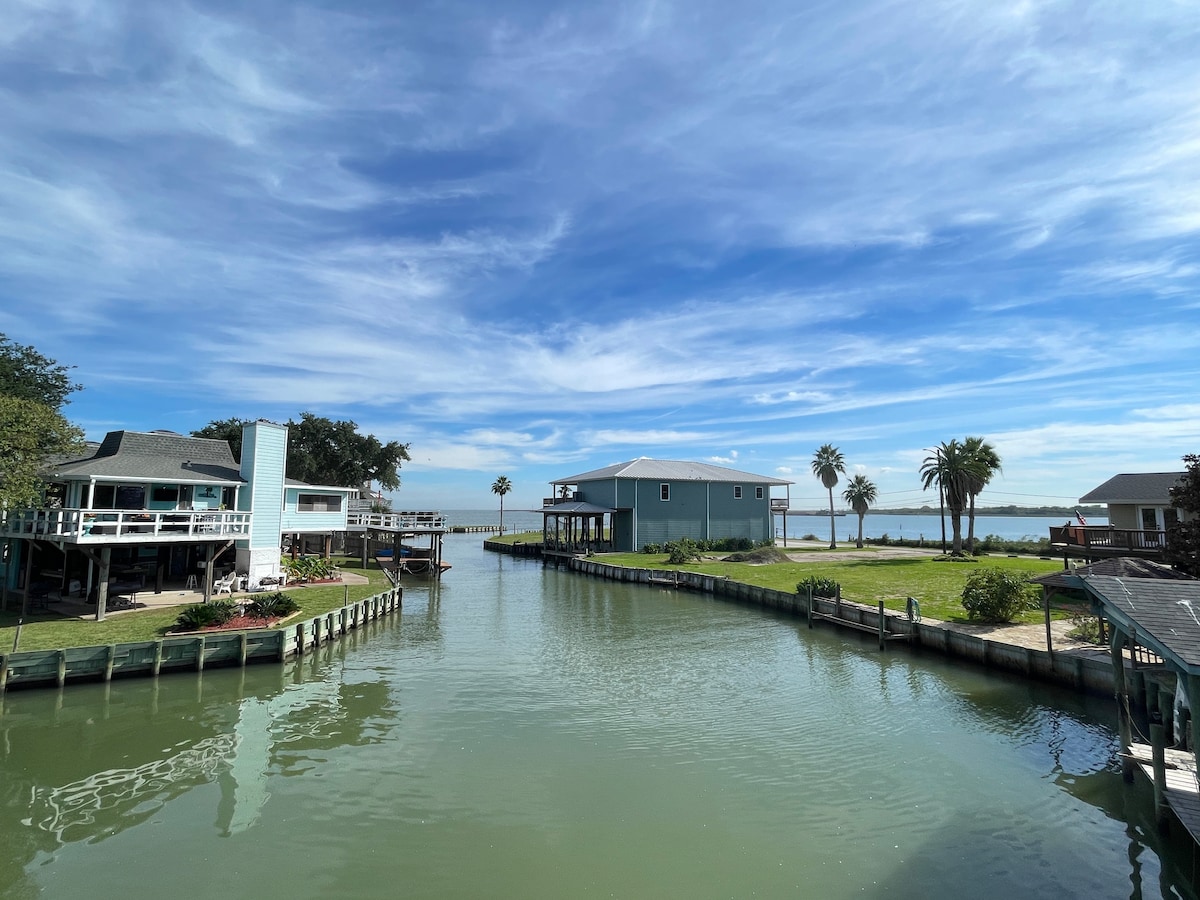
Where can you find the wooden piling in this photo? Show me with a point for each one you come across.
(109, 659)
(882, 627)
(157, 667)
(3, 673)
(1159, 761)
(200, 653)
(810, 606)
(62, 667)
(243, 650)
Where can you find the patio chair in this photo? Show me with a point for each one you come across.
(225, 585)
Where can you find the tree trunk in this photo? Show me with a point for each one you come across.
(502, 514)
(956, 528)
(832, 523)
(860, 527)
(971, 527)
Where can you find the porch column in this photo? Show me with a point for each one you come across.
(102, 587)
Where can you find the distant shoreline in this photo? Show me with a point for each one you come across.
(1047, 512)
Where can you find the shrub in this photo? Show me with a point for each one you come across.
(821, 587)
(1085, 628)
(652, 548)
(205, 615)
(682, 551)
(272, 606)
(307, 568)
(995, 595)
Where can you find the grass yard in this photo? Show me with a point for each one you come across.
(937, 585)
(47, 631)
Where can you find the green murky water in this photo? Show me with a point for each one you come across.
(525, 733)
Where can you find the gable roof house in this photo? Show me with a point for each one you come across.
(148, 508)
(1139, 514)
(652, 501)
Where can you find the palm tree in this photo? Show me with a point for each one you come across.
(827, 463)
(501, 486)
(952, 468)
(860, 493)
(985, 454)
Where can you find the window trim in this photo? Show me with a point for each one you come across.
(737, 492)
(664, 492)
(305, 503)
(758, 492)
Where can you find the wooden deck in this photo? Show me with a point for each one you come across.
(1183, 789)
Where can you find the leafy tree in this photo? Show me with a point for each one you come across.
(860, 493)
(321, 451)
(31, 434)
(989, 464)
(827, 463)
(1183, 538)
(952, 469)
(28, 375)
(682, 551)
(501, 486)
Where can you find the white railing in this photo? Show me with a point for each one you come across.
(420, 521)
(102, 525)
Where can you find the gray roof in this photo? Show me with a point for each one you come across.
(575, 508)
(669, 470)
(154, 456)
(1144, 487)
(1117, 566)
(1165, 614)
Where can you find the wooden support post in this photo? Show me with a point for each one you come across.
(1116, 649)
(1159, 759)
(1137, 690)
(109, 660)
(102, 584)
(1193, 690)
(837, 601)
(62, 667)
(243, 650)
(158, 647)
(1046, 606)
(882, 627)
(810, 606)
(317, 631)
(200, 653)
(3, 673)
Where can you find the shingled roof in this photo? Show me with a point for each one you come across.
(1164, 613)
(1142, 487)
(154, 456)
(1117, 566)
(670, 470)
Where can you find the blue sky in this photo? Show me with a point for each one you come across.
(538, 238)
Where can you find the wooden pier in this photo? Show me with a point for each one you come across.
(1176, 787)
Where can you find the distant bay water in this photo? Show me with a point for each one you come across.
(1011, 528)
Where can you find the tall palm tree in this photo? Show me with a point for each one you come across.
(501, 486)
(827, 463)
(989, 464)
(951, 468)
(860, 493)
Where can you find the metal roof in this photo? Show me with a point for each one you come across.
(669, 470)
(154, 456)
(1143, 487)
(1164, 613)
(575, 508)
(1117, 566)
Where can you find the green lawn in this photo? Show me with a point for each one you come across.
(47, 631)
(937, 585)
(524, 537)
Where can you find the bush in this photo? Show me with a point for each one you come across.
(995, 595)
(682, 551)
(205, 615)
(272, 606)
(821, 587)
(652, 549)
(308, 568)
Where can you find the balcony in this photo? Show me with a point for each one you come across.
(1103, 540)
(779, 504)
(398, 521)
(126, 526)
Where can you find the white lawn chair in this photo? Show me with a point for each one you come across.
(225, 585)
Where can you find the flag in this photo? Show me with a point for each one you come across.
(1082, 520)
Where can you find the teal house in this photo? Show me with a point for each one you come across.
(626, 506)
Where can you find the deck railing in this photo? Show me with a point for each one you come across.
(1107, 539)
(418, 521)
(101, 526)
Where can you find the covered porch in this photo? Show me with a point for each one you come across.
(575, 527)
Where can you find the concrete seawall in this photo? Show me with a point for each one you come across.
(1072, 669)
(192, 652)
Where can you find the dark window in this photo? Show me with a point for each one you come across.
(319, 503)
(737, 492)
(103, 496)
(164, 494)
(664, 492)
(130, 496)
(758, 493)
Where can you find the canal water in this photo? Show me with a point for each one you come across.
(521, 732)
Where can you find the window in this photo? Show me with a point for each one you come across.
(319, 503)
(737, 492)
(664, 492)
(130, 496)
(758, 493)
(163, 494)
